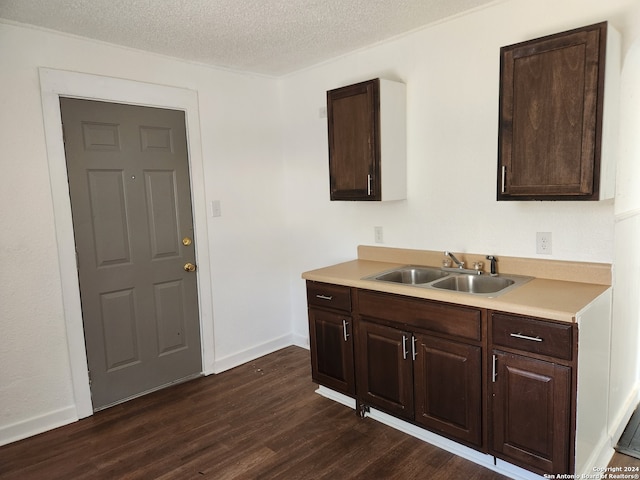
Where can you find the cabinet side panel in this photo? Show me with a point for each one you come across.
(610, 115)
(594, 349)
(393, 140)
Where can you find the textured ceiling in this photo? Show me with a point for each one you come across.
(270, 37)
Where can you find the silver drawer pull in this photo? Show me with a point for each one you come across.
(325, 297)
(526, 337)
(345, 333)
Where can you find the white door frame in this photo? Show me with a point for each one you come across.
(56, 83)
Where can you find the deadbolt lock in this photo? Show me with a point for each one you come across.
(186, 241)
(189, 267)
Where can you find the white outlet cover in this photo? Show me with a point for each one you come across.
(543, 243)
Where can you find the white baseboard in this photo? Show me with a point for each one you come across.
(49, 421)
(618, 424)
(483, 459)
(301, 341)
(237, 359)
(336, 397)
(602, 454)
(600, 457)
(34, 426)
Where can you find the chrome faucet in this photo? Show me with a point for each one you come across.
(477, 267)
(455, 260)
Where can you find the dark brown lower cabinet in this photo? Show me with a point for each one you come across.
(332, 350)
(384, 368)
(432, 381)
(498, 382)
(531, 412)
(448, 388)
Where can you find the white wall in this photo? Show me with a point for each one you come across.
(625, 372)
(265, 155)
(452, 74)
(241, 146)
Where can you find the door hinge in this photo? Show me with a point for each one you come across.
(89, 374)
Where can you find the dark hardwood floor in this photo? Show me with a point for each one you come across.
(261, 420)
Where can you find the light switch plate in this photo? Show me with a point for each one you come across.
(216, 210)
(377, 234)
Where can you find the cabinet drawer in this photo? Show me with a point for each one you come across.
(533, 335)
(464, 322)
(328, 295)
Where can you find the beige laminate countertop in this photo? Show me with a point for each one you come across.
(546, 298)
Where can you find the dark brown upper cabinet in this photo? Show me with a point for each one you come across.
(367, 141)
(558, 110)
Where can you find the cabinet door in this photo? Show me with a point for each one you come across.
(531, 412)
(550, 116)
(331, 345)
(354, 141)
(384, 368)
(448, 388)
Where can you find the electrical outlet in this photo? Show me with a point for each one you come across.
(543, 243)
(377, 234)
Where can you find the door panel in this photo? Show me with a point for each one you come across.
(448, 388)
(163, 222)
(107, 202)
(120, 329)
(384, 368)
(354, 141)
(131, 206)
(531, 412)
(169, 303)
(332, 350)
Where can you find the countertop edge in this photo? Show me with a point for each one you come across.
(563, 300)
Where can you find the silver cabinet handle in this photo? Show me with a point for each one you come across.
(325, 297)
(494, 371)
(369, 184)
(526, 337)
(504, 177)
(345, 324)
(404, 347)
(414, 351)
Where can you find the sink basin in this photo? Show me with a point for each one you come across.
(411, 275)
(478, 284)
(436, 278)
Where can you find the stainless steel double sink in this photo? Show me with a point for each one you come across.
(432, 277)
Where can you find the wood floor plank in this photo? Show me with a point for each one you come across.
(262, 420)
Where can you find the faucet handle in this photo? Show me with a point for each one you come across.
(493, 261)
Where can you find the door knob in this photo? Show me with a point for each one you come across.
(189, 267)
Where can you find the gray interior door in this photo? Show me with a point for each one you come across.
(131, 205)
